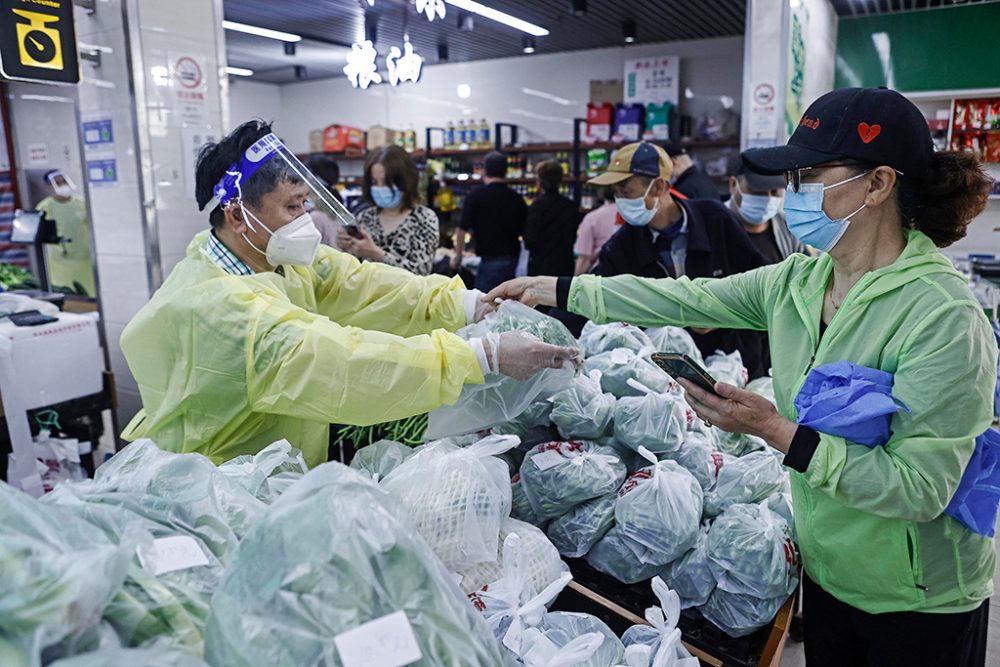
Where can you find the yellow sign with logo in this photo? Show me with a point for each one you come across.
(38, 41)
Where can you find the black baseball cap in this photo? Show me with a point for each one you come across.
(873, 125)
(756, 182)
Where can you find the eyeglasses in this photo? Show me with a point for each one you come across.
(794, 177)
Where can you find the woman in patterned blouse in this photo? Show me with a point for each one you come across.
(397, 230)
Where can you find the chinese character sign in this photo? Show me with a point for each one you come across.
(403, 67)
(361, 68)
(652, 80)
(431, 8)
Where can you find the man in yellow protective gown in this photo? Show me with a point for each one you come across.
(71, 266)
(261, 333)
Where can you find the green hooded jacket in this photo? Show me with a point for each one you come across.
(869, 521)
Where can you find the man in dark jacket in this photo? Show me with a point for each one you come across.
(550, 230)
(673, 238)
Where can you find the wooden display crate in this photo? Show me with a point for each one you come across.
(622, 606)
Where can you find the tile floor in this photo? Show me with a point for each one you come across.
(795, 657)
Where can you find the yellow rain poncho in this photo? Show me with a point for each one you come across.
(227, 364)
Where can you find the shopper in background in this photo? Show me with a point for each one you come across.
(890, 578)
(597, 227)
(326, 170)
(70, 264)
(756, 201)
(495, 215)
(397, 230)
(262, 333)
(666, 236)
(689, 179)
(550, 229)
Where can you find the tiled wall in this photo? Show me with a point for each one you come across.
(133, 255)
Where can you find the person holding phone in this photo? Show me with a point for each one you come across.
(397, 230)
(889, 578)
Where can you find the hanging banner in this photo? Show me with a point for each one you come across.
(38, 41)
(795, 94)
(652, 80)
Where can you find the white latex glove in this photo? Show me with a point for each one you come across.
(520, 355)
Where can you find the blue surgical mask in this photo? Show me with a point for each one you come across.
(386, 196)
(809, 222)
(634, 211)
(756, 209)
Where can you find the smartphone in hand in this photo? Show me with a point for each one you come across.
(682, 366)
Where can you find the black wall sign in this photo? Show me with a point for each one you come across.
(38, 41)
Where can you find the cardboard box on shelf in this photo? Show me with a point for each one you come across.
(316, 141)
(609, 91)
(381, 136)
(337, 138)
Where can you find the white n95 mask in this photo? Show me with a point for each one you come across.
(296, 243)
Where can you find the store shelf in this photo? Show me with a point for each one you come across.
(691, 143)
(972, 131)
(561, 147)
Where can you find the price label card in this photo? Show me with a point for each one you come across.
(549, 459)
(385, 642)
(169, 554)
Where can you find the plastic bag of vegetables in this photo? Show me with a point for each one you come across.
(618, 366)
(541, 564)
(163, 597)
(690, 575)
(457, 497)
(187, 488)
(659, 510)
(655, 421)
(334, 552)
(558, 629)
(575, 532)
(269, 472)
(615, 555)
(728, 368)
(674, 340)
(700, 459)
(520, 508)
(599, 338)
(501, 399)
(132, 657)
(381, 458)
(533, 423)
(763, 386)
(750, 550)
(747, 479)
(739, 614)
(662, 635)
(57, 575)
(557, 476)
(583, 411)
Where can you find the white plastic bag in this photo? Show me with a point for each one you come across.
(690, 575)
(615, 555)
(583, 411)
(531, 426)
(153, 656)
(457, 497)
(502, 399)
(557, 476)
(381, 458)
(750, 550)
(269, 472)
(618, 366)
(763, 386)
(561, 629)
(728, 368)
(747, 479)
(659, 509)
(700, 459)
(541, 564)
(655, 421)
(333, 553)
(575, 532)
(674, 340)
(599, 338)
(662, 635)
(56, 459)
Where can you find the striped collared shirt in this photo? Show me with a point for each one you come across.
(225, 258)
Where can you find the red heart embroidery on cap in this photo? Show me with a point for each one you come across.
(868, 132)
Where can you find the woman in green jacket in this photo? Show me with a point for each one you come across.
(889, 579)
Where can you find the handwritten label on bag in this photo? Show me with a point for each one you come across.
(169, 554)
(549, 459)
(385, 642)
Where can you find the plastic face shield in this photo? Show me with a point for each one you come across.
(229, 189)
